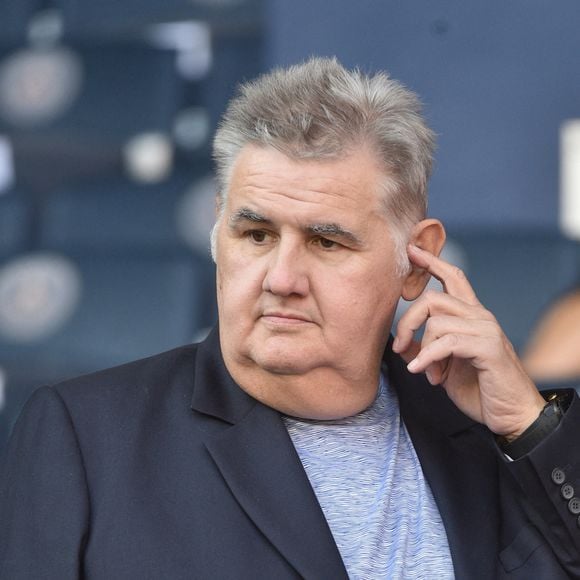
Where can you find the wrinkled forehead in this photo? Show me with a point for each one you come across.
(265, 173)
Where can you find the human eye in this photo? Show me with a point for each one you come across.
(257, 236)
(326, 243)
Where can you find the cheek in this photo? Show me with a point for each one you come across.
(239, 279)
(365, 301)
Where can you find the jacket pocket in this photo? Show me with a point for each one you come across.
(519, 551)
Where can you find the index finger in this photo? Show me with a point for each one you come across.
(453, 279)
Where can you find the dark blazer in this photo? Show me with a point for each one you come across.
(165, 468)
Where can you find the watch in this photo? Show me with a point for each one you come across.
(556, 404)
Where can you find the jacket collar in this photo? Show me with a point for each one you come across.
(215, 392)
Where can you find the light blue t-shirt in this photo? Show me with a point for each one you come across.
(370, 485)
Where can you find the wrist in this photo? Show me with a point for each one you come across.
(546, 422)
(531, 417)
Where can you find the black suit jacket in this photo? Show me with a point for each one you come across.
(165, 468)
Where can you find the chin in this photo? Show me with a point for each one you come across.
(280, 359)
(286, 365)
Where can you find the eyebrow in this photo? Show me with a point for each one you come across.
(335, 231)
(320, 229)
(246, 214)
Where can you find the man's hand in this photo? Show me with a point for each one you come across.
(465, 350)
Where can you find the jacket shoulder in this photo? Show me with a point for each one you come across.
(132, 383)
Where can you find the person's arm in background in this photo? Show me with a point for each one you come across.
(553, 352)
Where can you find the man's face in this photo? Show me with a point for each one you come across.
(306, 268)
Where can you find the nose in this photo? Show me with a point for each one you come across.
(286, 272)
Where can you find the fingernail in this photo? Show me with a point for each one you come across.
(413, 365)
(429, 377)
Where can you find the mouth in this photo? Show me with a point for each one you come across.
(281, 318)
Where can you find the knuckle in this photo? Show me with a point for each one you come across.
(452, 339)
(487, 315)
(479, 312)
(494, 329)
(435, 326)
(459, 273)
(430, 325)
(430, 294)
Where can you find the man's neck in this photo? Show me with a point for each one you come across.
(322, 393)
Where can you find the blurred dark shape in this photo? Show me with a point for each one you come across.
(15, 223)
(115, 213)
(117, 100)
(15, 18)
(110, 18)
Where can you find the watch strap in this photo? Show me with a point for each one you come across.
(546, 423)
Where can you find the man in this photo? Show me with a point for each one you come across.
(299, 440)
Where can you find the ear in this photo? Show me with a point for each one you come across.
(428, 234)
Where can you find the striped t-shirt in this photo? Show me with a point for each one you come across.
(369, 483)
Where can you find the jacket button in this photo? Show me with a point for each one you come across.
(574, 505)
(558, 476)
(567, 491)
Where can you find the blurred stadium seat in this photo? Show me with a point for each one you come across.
(127, 306)
(14, 21)
(110, 18)
(107, 110)
(115, 214)
(123, 91)
(15, 223)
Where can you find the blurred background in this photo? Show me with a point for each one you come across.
(107, 111)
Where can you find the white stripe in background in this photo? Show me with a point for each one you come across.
(570, 178)
(6, 165)
(2, 389)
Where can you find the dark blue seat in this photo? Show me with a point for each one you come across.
(108, 17)
(15, 15)
(129, 306)
(14, 223)
(114, 214)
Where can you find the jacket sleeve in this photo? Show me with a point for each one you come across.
(550, 478)
(44, 504)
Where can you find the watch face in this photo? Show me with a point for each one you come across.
(560, 400)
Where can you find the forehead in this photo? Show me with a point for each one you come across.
(268, 180)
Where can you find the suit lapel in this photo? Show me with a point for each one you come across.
(257, 459)
(454, 454)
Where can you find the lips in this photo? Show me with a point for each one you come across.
(284, 317)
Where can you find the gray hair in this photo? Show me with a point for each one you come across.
(320, 110)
